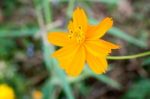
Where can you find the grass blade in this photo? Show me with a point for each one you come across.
(63, 80)
(104, 79)
(70, 8)
(48, 90)
(47, 11)
(18, 33)
(120, 34)
(107, 80)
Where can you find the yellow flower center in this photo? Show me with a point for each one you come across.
(77, 34)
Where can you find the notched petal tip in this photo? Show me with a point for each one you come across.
(117, 47)
(80, 18)
(109, 44)
(99, 30)
(109, 21)
(78, 8)
(114, 46)
(100, 73)
(72, 74)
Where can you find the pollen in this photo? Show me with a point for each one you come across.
(76, 33)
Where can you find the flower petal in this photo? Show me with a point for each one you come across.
(58, 38)
(108, 44)
(77, 63)
(96, 48)
(95, 32)
(97, 64)
(80, 19)
(65, 55)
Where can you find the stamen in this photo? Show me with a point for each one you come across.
(79, 27)
(70, 35)
(77, 34)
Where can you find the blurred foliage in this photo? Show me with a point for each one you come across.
(9, 6)
(140, 90)
(7, 45)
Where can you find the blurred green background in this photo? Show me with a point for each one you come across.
(26, 65)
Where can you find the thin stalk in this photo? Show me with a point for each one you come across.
(70, 7)
(47, 11)
(129, 56)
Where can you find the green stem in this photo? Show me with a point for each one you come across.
(129, 56)
(70, 7)
(47, 11)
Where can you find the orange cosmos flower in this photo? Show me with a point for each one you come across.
(82, 44)
(37, 95)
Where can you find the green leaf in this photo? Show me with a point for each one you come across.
(61, 75)
(48, 90)
(71, 4)
(108, 81)
(18, 32)
(47, 51)
(109, 1)
(140, 90)
(47, 11)
(120, 34)
(104, 79)
(63, 80)
(102, 1)
(146, 61)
